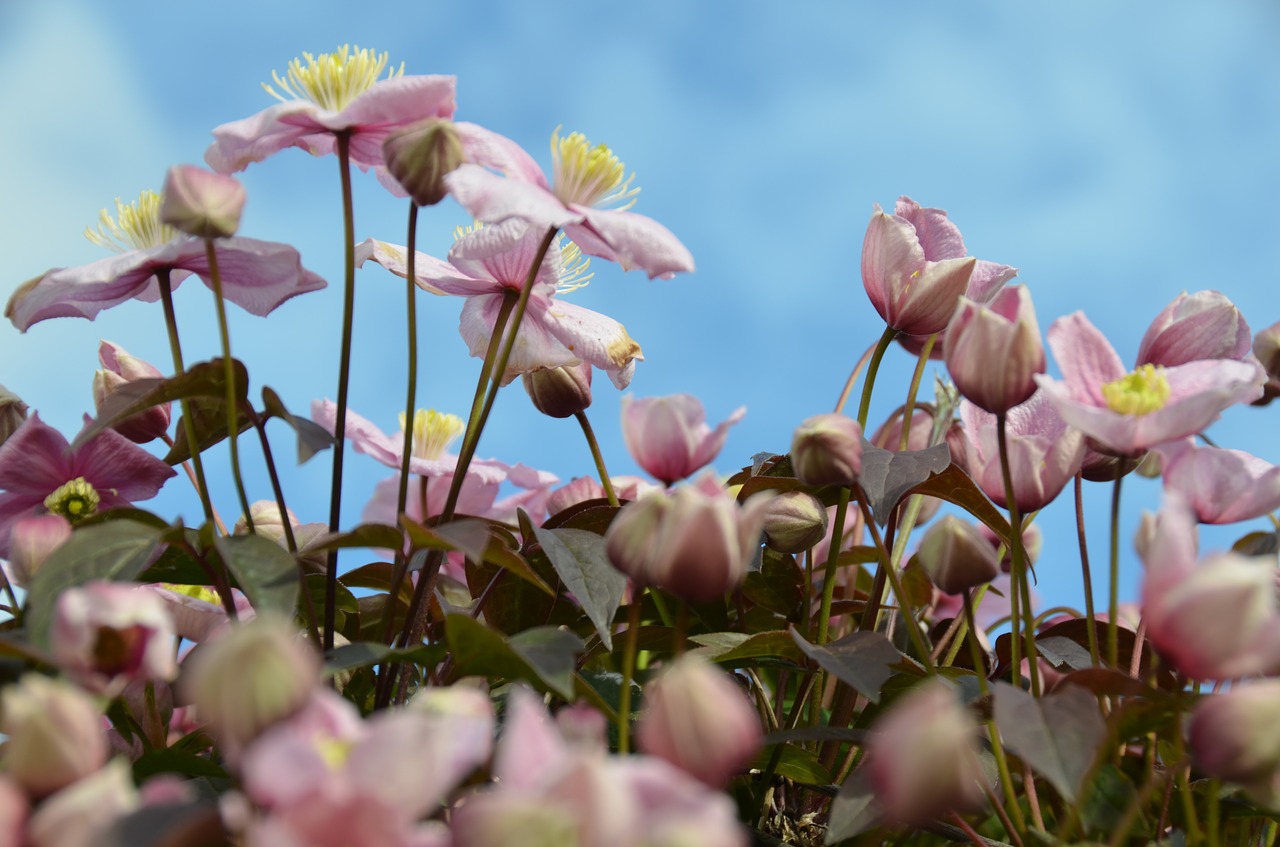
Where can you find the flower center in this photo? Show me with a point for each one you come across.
(589, 176)
(1138, 393)
(196, 592)
(74, 500)
(575, 268)
(334, 752)
(135, 227)
(332, 80)
(120, 651)
(432, 432)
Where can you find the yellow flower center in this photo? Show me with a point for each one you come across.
(74, 500)
(332, 80)
(198, 592)
(432, 432)
(334, 752)
(135, 227)
(589, 176)
(1138, 393)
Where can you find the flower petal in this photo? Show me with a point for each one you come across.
(633, 241)
(113, 464)
(35, 460)
(1087, 359)
(492, 198)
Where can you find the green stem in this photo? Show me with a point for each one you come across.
(864, 407)
(853, 378)
(1113, 603)
(598, 457)
(1019, 586)
(904, 603)
(629, 669)
(997, 746)
(189, 426)
(833, 558)
(908, 410)
(410, 403)
(229, 377)
(1092, 618)
(344, 374)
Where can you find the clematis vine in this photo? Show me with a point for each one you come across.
(256, 275)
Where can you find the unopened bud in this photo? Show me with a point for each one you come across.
(201, 203)
(827, 450)
(420, 155)
(55, 734)
(31, 541)
(957, 556)
(118, 370)
(794, 521)
(560, 392)
(12, 413)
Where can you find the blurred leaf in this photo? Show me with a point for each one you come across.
(312, 438)
(209, 415)
(1105, 798)
(955, 486)
(362, 654)
(1109, 682)
(1257, 544)
(778, 586)
(817, 733)
(177, 761)
(583, 566)
(862, 660)
(376, 576)
(1058, 735)
(917, 585)
(591, 515)
(374, 612)
(373, 535)
(117, 550)
(887, 475)
(182, 824)
(733, 648)
(265, 571)
(512, 561)
(347, 608)
(854, 809)
(1063, 653)
(544, 655)
(796, 763)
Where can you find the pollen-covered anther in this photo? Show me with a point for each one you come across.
(136, 226)
(575, 268)
(332, 80)
(1141, 392)
(589, 176)
(74, 500)
(433, 432)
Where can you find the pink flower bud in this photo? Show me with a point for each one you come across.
(794, 521)
(697, 719)
(120, 369)
(669, 436)
(14, 809)
(827, 450)
(1204, 325)
(201, 203)
(55, 734)
(81, 814)
(1234, 736)
(31, 541)
(421, 155)
(267, 520)
(12, 413)
(107, 634)
(1266, 346)
(994, 351)
(956, 555)
(559, 392)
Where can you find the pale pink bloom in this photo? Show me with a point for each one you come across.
(583, 488)
(108, 634)
(994, 350)
(486, 267)
(56, 733)
(31, 541)
(80, 814)
(1044, 452)
(118, 370)
(197, 611)
(826, 449)
(106, 472)
(1234, 735)
(201, 203)
(1204, 325)
(1129, 412)
(584, 180)
(14, 809)
(669, 437)
(1221, 486)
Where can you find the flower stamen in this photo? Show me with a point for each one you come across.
(433, 432)
(1141, 392)
(74, 500)
(589, 176)
(332, 80)
(136, 226)
(575, 268)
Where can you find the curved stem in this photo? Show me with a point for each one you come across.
(908, 410)
(410, 403)
(853, 378)
(1113, 602)
(904, 603)
(1020, 588)
(229, 377)
(833, 557)
(1084, 567)
(605, 482)
(864, 407)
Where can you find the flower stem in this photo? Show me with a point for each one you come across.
(853, 378)
(829, 573)
(229, 377)
(410, 403)
(629, 669)
(189, 425)
(1019, 588)
(864, 407)
(908, 410)
(344, 372)
(605, 482)
(904, 602)
(1084, 567)
(1113, 602)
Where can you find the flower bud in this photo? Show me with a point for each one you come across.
(107, 634)
(120, 369)
(994, 351)
(669, 437)
(31, 541)
(956, 555)
(559, 392)
(794, 521)
(267, 520)
(1204, 325)
(827, 450)
(201, 203)
(1234, 736)
(81, 814)
(1266, 347)
(55, 734)
(697, 719)
(420, 155)
(12, 413)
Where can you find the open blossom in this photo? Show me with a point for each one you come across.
(256, 275)
(39, 472)
(588, 197)
(1128, 412)
(1221, 486)
(107, 634)
(669, 437)
(487, 268)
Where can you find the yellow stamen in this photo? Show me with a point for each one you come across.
(74, 500)
(1138, 393)
(135, 227)
(461, 232)
(197, 592)
(589, 176)
(333, 751)
(432, 432)
(575, 268)
(332, 80)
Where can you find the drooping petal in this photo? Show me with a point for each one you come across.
(86, 290)
(488, 148)
(257, 275)
(239, 143)
(35, 460)
(596, 339)
(633, 241)
(492, 199)
(1222, 486)
(114, 465)
(535, 346)
(987, 279)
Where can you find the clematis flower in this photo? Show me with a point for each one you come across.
(486, 267)
(1233, 735)
(1127, 413)
(118, 370)
(39, 472)
(1204, 325)
(669, 437)
(583, 488)
(1221, 486)
(994, 351)
(108, 634)
(256, 275)
(588, 197)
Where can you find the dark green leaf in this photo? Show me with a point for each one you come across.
(778, 586)
(178, 761)
(887, 475)
(591, 515)
(374, 535)
(544, 655)
(182, 824)
(583, 566)
(737, 648)
(1105, 798)
(854, 809)
(1059, 735)
(312, 438)
(209, 415)
(795, 763)
(1258, 544)
(265, 571)
(862, 660)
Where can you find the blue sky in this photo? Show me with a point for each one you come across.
(1116, 153)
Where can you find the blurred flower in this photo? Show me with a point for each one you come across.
(55, 734)
(1266, 347)
(559, 392)
(1204, 325)
(1234, 735)
(12, 413)
(201, 203)
(669, 437)
(583, 488)
(31, 540)
(420, 155)
(1128, 413)
(118, 370)
(956, 555)
(994, 351)
(197, 611)
(794, 521)
(694, 541)
(588, 197)
(1221, 486)
(40, 472)
(80, 814)
(108, 634)
(256, 275)
(14, 809)
(699, 721)
(827, 450)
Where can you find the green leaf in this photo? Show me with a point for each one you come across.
(778, 586)
(543, 655)
(175, 760)
(795, 763)
(117, 550)
(265, 571)
(862, 660)
(1059, 735)
(312, 438)
(209, 417)
(1105, 799)
(887, 476)
(374, 535)
(737, 647)
(583, 566)
(854, 809)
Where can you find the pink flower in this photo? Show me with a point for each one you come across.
(669, 437)
(1204, 325)
(486, 267)
(1127, 413)
(1221, 486)
(118, 370)
(994, 351)
(1234, 735)
(583, 488)
(80, 814)
(39, 472)
(584, 179)
(256, 275)
(55, 734)
(107, 634)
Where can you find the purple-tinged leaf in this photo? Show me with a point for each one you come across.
(193, 824)
(312, 438)
(583, 566)
(887, 476)
(1059, 735)
(955, 486)
(544, 656)
(739, 648)
(794, 763)
(854, 809)
(862, 660)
